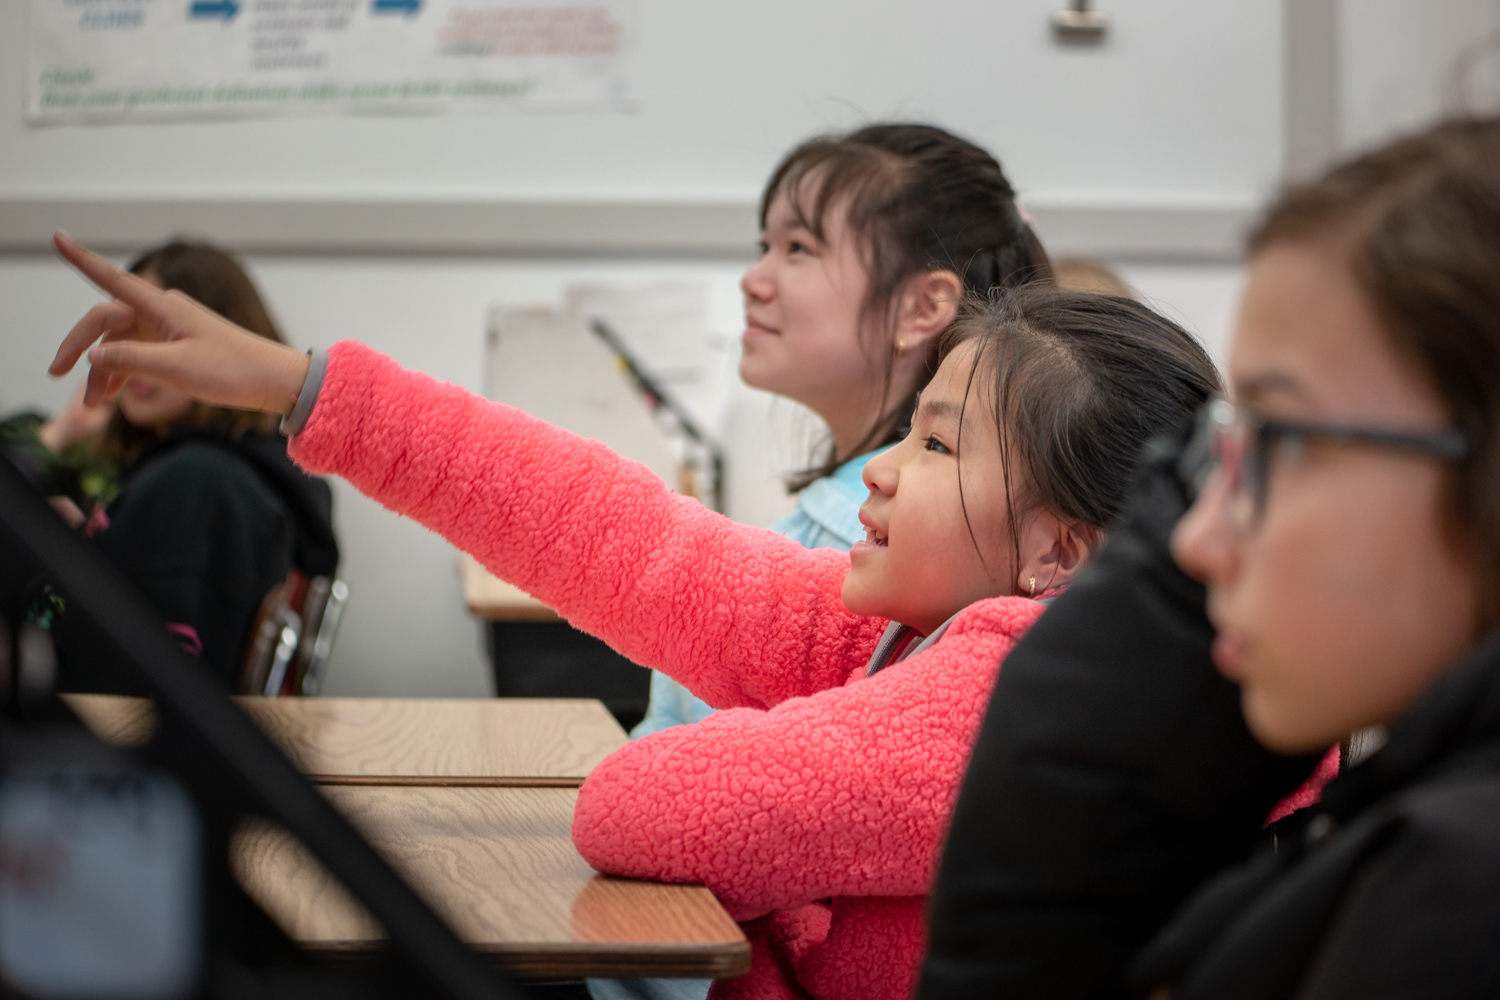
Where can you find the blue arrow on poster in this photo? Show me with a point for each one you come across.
(407, 7)
(223, 9)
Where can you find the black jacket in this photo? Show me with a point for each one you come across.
(205, 526)
(1113, 775)
(1393, 891)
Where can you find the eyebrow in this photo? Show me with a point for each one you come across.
(938, 408)
(786, 226)
(1271, 382)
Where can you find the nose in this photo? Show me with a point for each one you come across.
(882, 473)
(1203, 543)
(756, 282)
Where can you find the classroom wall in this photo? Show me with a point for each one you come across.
(1181, 114)
(725, 88)
(1404, 62)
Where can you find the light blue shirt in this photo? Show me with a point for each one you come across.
(827, 517)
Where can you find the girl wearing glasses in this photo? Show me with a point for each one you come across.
(1350, 542)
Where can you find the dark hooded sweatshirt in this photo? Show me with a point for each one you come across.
(205, 525)
(1392, 892)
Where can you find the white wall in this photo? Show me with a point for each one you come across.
(1180, 105)
(1402, 63)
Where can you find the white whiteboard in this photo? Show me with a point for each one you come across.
(1179, 107)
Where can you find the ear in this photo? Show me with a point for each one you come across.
(1053, 552)
(929, 302)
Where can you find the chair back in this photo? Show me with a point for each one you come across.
(293, 635)
(325, 608)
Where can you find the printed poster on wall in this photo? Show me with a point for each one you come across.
(140, 60)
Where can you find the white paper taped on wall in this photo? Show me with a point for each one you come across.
(113, 60)
(667, 327)
(661, 400)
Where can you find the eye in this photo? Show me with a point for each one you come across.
(797, 247)
(764, 248)
(931, 443)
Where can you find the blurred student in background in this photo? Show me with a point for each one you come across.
(198, 505)
(868, 243)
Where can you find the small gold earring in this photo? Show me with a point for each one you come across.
(901, 344)
(1033, 588)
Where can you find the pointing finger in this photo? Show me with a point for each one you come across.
(134, 291)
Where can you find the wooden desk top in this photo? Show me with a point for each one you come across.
(499, 865)
(493, 599)
(525, 742)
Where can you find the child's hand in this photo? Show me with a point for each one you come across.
(168, 338)
(78, 422)
(68, 511)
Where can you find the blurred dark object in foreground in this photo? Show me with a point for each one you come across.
(115, 878)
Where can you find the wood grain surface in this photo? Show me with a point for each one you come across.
(499, 865)
(536, 742)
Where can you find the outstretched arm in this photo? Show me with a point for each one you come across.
(740, 615)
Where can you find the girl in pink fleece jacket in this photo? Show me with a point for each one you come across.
(852, 685)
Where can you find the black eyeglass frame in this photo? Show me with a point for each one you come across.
(1220, 418)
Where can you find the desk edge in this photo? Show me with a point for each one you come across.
(727, 960)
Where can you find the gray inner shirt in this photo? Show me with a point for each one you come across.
(885, 650)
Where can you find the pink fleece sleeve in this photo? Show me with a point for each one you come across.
(740, 615)
(844, 793)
